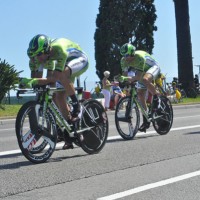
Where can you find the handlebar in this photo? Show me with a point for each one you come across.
(38, 89)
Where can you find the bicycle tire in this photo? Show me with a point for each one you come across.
(132, 119)
(163, 125)
(29, 136)
(93, 115)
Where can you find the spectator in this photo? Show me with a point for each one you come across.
(175, 83)
(196, 81)
(106, 89)
(116, 93)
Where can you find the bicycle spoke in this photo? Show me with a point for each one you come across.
(127, 118)
(95, 118)
(30, 141)
(50, 141)
(33, 120)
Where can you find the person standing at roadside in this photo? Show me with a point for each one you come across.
(106, 85)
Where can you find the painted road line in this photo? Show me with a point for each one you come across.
(150, 186)
(10, 129)
(3, 153)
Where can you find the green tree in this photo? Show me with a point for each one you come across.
(184, 46)
(119, 22)
(8, 79)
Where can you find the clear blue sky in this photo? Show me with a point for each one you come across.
(76, 20)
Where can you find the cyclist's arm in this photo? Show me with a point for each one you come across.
(36, 74)
(36, 71)
(60, 56)
(138, 76)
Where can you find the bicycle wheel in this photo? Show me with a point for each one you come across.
(36, 144)
(95, 119)
(163, 124)
(127, 118)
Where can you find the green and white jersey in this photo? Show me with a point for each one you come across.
(142, 62)
(63, 51)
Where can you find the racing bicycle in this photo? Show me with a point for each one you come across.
(38, 122)
(127, 115)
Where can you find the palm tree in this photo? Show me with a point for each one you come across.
(8, 79)
(184, 46)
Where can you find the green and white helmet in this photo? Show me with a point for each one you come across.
(127, 50)
(38, 45)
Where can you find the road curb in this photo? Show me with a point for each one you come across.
(175, 106)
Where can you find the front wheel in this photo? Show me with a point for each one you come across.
(127, 118)
(37, 143)
(95, 122)
(163, 124)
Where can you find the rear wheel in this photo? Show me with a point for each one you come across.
(36, 143)
(127, 118)
(163, 124)
(95, 122)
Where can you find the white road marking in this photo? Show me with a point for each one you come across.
(10, 129)
(151, 132)
(141, 188)
(109, 138)
(150, 186)
(7, 129)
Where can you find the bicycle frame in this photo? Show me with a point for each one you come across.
(46, 100)
(60, 120)
(134, 98)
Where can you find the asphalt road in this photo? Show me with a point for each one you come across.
(149, 167)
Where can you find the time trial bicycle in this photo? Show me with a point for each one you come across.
(127, 115)
(38, 121)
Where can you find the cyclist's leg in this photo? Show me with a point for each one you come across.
(77, 67)
(149, 76)
(141, 92)
(60, 100)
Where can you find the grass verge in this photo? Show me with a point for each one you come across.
(9, 110)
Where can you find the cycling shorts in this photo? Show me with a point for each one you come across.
(77, 66)
(154, 71)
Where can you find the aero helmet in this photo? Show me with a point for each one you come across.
(127, 49)
(39, 44)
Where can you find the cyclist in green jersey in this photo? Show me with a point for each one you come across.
(146, 70)
(64, 60)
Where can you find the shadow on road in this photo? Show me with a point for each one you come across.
(193, 133)
(135, 138)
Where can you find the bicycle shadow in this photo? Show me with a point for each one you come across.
(15, 165)
(26, 163)
(192, 133)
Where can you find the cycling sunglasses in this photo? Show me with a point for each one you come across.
(128, 55)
